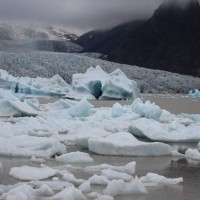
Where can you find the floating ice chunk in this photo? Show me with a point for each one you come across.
(117, 110)
(27, 146)
(114, 187)
(84, 134)
(53, 185)
(98, 180)
(158, 179)
(45, 190)
(93, 195)
(125, 144)
(172, 132)
(72, 179)
(85, 187)
(192, 154)
(38, 160)
(27, 173)
(21, 191)
(147, 109)
(68, 194)
(17, 196)
(97, 83)
(64, 104)
(16, 109)
(134, 187)
(75, 157)
(104, 197)
(196, 94)
(128, 168)
(118, 86)
(81, 109)
(111, 174)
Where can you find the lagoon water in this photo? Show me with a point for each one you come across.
(167, 166)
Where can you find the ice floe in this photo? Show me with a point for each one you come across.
(166, 132)
(125, 144)
(75, 157)
(28, 146)
(155, 179)
(27, 173)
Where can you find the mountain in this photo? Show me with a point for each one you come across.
(169, 40)
(103, 40)
(23, 37)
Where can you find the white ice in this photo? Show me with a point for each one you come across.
(96, 83)
(98, 180)
(147, 109)
(27, 173)
(171, 132)
(196, 94)
(192, 154)
(28, 146)
(111, 174)
(75, 157)
(155, 179)
(128, 168)
(125, 144)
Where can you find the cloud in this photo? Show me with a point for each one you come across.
(85, 14)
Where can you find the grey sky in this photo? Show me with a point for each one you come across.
(83, 14)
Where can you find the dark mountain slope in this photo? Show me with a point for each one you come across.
(169, 40)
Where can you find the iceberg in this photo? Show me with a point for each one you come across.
(192, 154)
(147, 109)
(27, 173)
(75, 157)
(111, 174)
(125, 144)
(196, 94)
(96, 83)
(170, 132)
(128, 168)
(98, 180)
(118, 86)
(85, 187)
(155, 179)
(69, 193)
(28, 146)
(54, 86)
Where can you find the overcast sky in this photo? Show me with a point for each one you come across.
(83, 14)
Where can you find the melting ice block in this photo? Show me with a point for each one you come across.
(152, 178)
(27, 146)
(27, 173)
(147, 109)
(96, 83)
(125, 144)
(170, 132)
(75, 157)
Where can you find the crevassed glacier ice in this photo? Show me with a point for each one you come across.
(125, 144)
